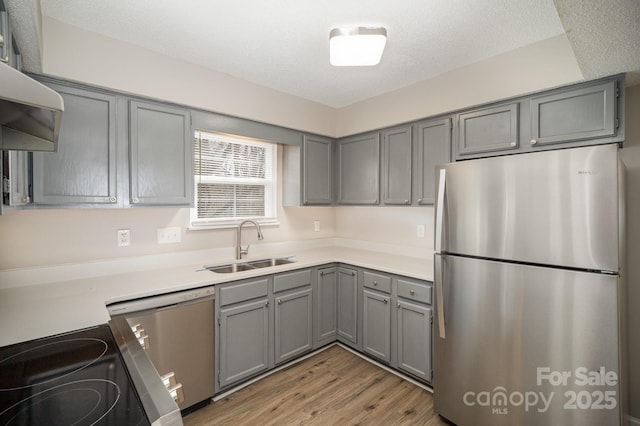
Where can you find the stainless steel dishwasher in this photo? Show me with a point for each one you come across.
(177, 332)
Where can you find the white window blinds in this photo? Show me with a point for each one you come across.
(234, 179)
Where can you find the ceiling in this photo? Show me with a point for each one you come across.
(283, 44)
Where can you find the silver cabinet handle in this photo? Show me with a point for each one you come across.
(534, 142)
(279, 301)
(406, 201)
(375, 283)
(412, 292)
(322, 273)
(398, 305)
(266, 303)
(353, 274)
(439, 209)
(386, 301)
(135, 200)
(439, 276)
(419, 200)
(513, 144)
(113, 199)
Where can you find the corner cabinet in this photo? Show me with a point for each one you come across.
(308, 172)
(397, 154)
(359, 169)
(326, 300)
(433, 147)
(347, 306)
(83, 171)
(160, 155)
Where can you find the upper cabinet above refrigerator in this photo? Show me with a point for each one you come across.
(582, 114)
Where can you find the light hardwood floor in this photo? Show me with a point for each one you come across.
(334, 387)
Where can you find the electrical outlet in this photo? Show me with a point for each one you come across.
(316, 225)
(169, 235)
(124, 238)
(420, 231)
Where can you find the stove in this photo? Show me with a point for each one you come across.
(76, 378)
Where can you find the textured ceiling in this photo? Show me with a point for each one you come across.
(283, 44)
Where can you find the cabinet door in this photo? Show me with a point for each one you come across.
(397, 147)
(84, 168)
(15, 178)
(376, 323)
(347, 304)
(293, 324)
(585, 113)
(161, 155)
(244, 341)
(433, 148)
(5, 33)
(488, 130)
(326, 303)
(316, 171)
(414, 339)
(359, 169)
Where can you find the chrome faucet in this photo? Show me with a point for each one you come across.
(239, 250)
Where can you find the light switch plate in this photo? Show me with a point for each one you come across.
(169, 235)
(316, 225)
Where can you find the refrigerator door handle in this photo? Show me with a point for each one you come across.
(439, 277)
(439, 210)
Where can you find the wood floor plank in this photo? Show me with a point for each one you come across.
(334, 387)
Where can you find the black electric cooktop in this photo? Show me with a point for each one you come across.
(69, 379)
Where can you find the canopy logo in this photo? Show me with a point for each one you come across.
(499, 400)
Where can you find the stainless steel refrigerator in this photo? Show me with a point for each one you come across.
(530, 295)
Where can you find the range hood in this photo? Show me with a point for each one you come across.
(30, 113)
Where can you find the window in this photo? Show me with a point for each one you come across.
(234, 180)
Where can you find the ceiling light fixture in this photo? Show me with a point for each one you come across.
(356, 47)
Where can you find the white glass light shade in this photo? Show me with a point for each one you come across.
(354, 47)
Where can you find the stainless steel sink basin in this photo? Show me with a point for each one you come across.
(250, 265)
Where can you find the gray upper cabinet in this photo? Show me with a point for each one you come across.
(433, 147)
(488, 129)
(83, 171)
(584, 113)
(308, 172)
(5, 33)
(348, 305)
(397, 154)
(161, 155)
(359, 169)
(317, 181)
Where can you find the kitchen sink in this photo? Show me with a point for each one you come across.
(250, 265)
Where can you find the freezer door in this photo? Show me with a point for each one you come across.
(525, 345)
(551, 208)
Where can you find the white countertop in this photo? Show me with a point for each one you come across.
(32, 311)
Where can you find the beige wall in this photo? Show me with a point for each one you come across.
(631, 159)
(542, 65)
(76, 54)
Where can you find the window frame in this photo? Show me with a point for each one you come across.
(271, 186)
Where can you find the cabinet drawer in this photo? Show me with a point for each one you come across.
(377, 282)
(291, 280)
(243, 291)
(414, 291)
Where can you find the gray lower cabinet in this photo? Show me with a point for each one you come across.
(83, 171)
(413, 331)
(376, 324)
(160, 155)
(433, 147)
(397, 155)
(359, 169)
(293, 324)
(293, 314)
(347, 306)
(326, 300)
(243, 330)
